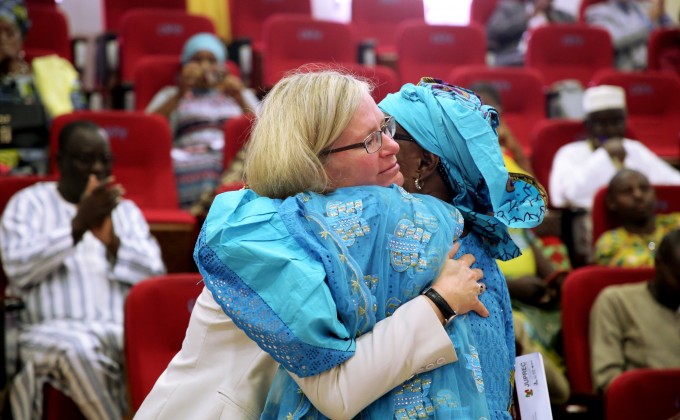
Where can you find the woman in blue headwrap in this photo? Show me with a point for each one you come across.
(445, 153)
(206, 96)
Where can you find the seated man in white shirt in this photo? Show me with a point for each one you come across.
(71, 250)
(581, 168)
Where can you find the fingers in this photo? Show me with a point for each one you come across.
(467, 259)
(480, 309)
(478, 274)
(454, 250)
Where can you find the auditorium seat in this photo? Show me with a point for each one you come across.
(48, 34)
(236, 134)
(521, 91)
(481, 10)
(435, 50)
(569, 51)
(652, 394)
(145, 32)
(293, 40)
(157, 313)
(652, 107)
(113, 10)
(247, 17)
(376, 20)
(663, 50)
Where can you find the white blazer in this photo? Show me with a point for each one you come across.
(220, 373)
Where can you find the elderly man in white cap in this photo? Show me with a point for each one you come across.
(581, 168)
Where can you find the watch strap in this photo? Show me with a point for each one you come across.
(440, 303)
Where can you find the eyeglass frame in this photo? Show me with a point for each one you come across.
(389, 128)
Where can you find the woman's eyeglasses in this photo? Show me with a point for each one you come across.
(373, 142)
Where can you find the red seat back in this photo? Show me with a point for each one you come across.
(152, 73)
(644, 394)
(236, 134)
(481, 10)
(141, 145)
(652, 102)
(569, 52)
(48, 34)
(377, 19)
(293, 40)
(663, 50)
(248, 17)
(383, 78)
(145, 32)
(668, 201)
(115, 9)
(580, 289)
(521, 91)
(546, 139)
(435, 50)
(157, 312)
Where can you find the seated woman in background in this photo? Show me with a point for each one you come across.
(635, 325)
(30, 93)
(632, 200)
(206, 96)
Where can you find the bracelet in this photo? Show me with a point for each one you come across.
(440, 303)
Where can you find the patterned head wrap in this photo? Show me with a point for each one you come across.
(452, 123)
(14, 12)
(204, 42)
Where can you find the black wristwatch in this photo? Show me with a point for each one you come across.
(441, 304)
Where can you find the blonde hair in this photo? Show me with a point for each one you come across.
(302, 115)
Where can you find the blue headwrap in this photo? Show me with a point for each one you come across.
(14, 12)
(204, 42)
(452, 123)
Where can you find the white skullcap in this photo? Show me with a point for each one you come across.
(603, 97)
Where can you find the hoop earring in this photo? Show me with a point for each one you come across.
(419, 184)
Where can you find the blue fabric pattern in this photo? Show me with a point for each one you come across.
(340, 232)
(451, 122)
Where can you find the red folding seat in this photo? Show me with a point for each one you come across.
(145, 32)
(566, 51)
(580, 289)
(115, 9)
(293, 40)
(48, 34)
(377, 20)
(247, 17)
(521, 91)
(546, 139)
(644, 394)
(652, 102)
(157, 312)
(663, 50)
(383, 78)
(236, 134)
(668, 201)
(481, 10)
(152, 73)
(435, 50)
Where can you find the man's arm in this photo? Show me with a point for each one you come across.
(606, 345)
(139, 255)
(411, 341)
(32, 241)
